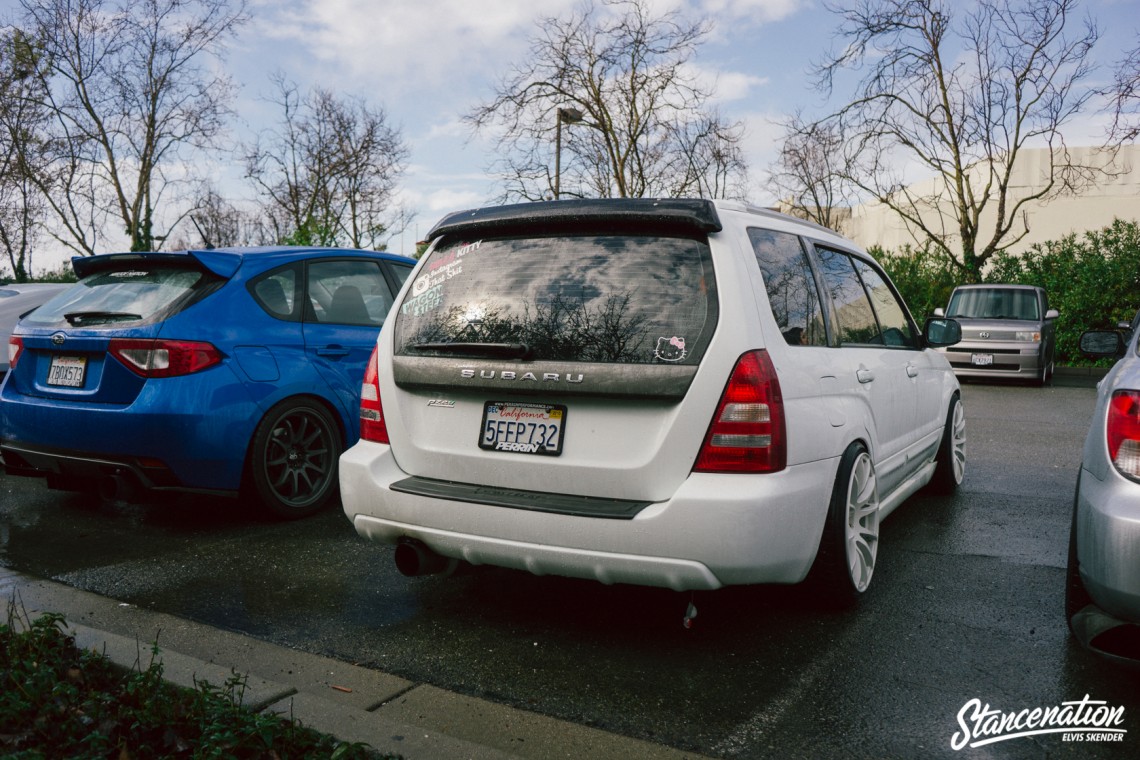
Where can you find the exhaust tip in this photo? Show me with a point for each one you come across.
(117, 487)
(413, 558)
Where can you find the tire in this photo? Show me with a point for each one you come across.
(950, 461)
(293, 459)
(1076, 595)
(849, 545)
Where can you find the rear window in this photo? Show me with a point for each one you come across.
(135, 294)
(611, 298)
(994, 303)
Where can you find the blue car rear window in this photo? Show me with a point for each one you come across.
(137, 294)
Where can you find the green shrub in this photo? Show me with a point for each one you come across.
(60, 701)
(1093, 280)
(924, 279)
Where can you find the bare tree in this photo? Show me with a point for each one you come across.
(21, 119)
(612, 85)
(960, 91)
(1125, 97)
(328, 174)
(131, 94)
(809, 173)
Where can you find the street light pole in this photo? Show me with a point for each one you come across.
(569, 116)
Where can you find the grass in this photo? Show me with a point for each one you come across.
(60, 701)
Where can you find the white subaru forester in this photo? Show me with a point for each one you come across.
(677, 393)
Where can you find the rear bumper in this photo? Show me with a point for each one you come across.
(1108, 543)
(163, 438)
(717, 530)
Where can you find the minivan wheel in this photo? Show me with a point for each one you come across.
(293, 459)
(950, 462)
(849, 545)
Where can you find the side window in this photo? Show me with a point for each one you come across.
(276, 292)
(792, 291)
(854, 316)
(399, 274)
(894, 326)
(348, 293)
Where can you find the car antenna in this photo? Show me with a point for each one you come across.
(205, 238)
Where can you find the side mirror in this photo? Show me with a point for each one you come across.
(1052, 314)
(941, 332)
(1102, 344)
(939, 312)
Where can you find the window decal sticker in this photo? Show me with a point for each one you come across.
(670, 349)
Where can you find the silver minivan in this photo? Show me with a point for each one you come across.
(677, 393)
(1007, 332)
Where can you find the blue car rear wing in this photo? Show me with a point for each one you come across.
(222, 263)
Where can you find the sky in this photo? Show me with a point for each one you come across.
(428, 62)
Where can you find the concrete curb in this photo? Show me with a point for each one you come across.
(351, 703)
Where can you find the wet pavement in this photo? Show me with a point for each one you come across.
(966, 603)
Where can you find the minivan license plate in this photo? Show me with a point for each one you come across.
(521, 427)
(67, 371)
(983, 360)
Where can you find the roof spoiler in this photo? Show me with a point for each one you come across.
(678, 215)
(222, 263)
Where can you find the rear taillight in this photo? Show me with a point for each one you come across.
(15, 348)
(164, 358)
(1123, 432)
(372, 426)
(747, 431)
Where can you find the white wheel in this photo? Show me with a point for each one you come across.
(862, 524)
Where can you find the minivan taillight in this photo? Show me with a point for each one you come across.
(747, 433)
(1123, 432)
(15, 348)
(164, 358)
(372, 426)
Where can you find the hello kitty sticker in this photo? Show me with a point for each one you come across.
(670, 349)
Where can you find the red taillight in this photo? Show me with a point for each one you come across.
(747, 431)
(164, 358)
(372, 426)
(1123, 432)
(15, 348)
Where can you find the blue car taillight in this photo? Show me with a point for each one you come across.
(164, 358)
(15, 348)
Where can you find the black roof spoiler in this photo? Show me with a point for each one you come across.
(673, 215)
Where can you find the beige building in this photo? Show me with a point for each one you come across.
(1094, 207)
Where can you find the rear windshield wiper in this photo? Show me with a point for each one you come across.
(487, 350)
(79, 318)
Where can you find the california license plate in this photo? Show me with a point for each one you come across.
(67, 371)
(523, 428)
(982, 360)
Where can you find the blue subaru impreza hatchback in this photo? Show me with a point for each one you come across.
(230, 371)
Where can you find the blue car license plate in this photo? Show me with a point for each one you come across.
(523, 428)
(67, 371)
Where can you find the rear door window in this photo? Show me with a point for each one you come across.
(610, 298)
(348, 293)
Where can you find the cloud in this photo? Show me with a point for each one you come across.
(404, 47)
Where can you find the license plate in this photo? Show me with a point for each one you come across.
(67, 371)
(523, 428)
(982, 360)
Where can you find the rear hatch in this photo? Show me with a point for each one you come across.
(78, 345)
(555, 355)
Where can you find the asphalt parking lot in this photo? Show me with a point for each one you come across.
(966, 604)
